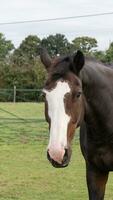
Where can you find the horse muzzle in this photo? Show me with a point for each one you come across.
(60, 163)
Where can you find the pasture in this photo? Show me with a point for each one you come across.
(25, 173)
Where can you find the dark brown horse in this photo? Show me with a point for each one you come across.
(79, 92)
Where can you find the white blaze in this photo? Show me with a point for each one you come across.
(59, 120)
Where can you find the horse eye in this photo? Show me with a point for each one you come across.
(78, 94)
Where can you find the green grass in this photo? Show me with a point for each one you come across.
(25, 173)
(21, 127)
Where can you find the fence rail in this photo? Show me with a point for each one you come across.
(20, 95)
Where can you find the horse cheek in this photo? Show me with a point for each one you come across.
(70, 132)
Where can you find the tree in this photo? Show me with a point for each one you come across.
(25, 69)
(6, 47)
(27, 51)
(85, 44)
(24, 78)
(109, 54)
(100, 55)
(56, 44)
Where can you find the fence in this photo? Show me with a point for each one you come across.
(20, 95)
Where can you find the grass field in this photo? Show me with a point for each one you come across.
(25, 173)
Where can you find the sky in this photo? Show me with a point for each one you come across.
(100, 27)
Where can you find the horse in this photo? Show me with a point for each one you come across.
(79, 93)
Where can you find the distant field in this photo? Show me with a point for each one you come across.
(25, 173)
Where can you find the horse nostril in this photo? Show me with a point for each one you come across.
(65, 156)
(55, 163)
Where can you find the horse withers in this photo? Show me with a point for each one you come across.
(79, 93)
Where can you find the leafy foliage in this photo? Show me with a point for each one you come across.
(56, 44)
(6, 47)
(27, 51)
(85, 44)
(22, 66)
(109, 54)
(100, 55)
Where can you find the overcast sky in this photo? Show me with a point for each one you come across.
(100, 27)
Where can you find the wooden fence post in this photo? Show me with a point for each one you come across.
(14, 94)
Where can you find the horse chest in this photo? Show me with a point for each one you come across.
(96, 148)
(100, 151)
(102, 157)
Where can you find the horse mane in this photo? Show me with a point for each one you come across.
(93, 59)
(95, 71)
(61, 67)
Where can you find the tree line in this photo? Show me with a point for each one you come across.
(22, 67)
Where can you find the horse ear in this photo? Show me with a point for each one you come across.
(45, 58)
(78, 61)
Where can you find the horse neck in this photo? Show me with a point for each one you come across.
(97, 81)
(95, 74)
